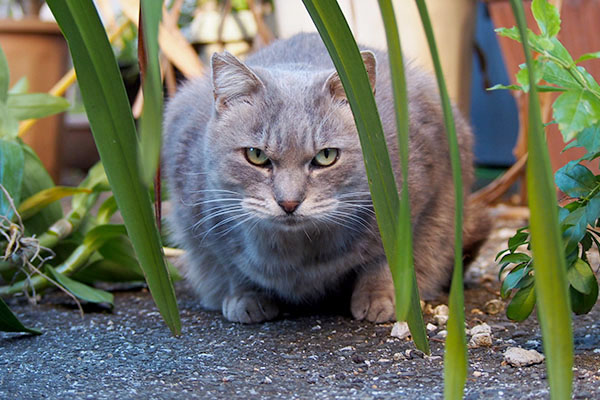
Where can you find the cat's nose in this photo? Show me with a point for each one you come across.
(289, 206)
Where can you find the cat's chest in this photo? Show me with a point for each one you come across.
(300, 266)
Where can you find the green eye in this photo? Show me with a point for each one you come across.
(256, 156)
(325, 157)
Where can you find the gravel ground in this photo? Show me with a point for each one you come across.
(129, 353)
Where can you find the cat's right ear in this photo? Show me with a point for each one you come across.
(334, 86)
(232, 81)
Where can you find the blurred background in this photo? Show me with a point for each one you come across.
(473, 58)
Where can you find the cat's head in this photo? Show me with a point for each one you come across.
(283, 141)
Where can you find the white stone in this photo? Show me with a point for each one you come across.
(477, 374)
(442, 309)
(440, 320)
(442, 333)
(519, 357)
(431, 327)
(482, 328)
(480, 340)
(400, 330)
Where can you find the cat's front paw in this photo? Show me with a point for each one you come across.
(249, 308)
(375, 306)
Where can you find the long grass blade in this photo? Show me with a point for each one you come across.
(151, 119)
(455, 359)
(551, 285)
(345, 55)
(407, 293)
(113, 128)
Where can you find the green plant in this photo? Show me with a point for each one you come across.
(577, 113)
(91, 248)
(551, 282)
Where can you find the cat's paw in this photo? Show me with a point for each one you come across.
(249, 308)
(375, 306)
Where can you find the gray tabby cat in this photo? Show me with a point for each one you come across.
(270, 197)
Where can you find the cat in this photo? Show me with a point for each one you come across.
(269, 192)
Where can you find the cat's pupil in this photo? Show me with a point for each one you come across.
(326, 153)
(256, 152)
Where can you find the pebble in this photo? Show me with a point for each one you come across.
(442, 334)
(431, 327)
(519, 357)
(440, 320)
(400, 330)
(477, 374)
(480, 340)
(442, 309)
(481, 328)
(494, 306)
(268, 380)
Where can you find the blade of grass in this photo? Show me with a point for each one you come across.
(407, 292)
(114, 132)
(336, 35)
(455, 358)
(151, 119)
(551, 284)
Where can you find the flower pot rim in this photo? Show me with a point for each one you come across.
(29, 26)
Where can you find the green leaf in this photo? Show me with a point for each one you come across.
(12, 162)
(588, 56)
(557, 75)
(582, 303)
(113, 128)
(575, 179)
(403, 265)
(519, 239)
(509, 87)
(34, 204)
(511, 33)
(344, 53)
(523, 74)
(577, 223)
(80, 290)
(4, 77)
(581, 277)
(546, 16)
(35, 105)
(551, 286)
(589, 138)
(151, 121)
(455, 359)
(22, 86)
(574, 111)
(521, 305)
(9, 322)
(512, 279)
(36, 179)
(515, 258)
(9, 126)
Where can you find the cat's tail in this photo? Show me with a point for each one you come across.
(476, 228)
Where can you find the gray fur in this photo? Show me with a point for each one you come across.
(244, 253)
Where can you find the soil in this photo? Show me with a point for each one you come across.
(128, 353)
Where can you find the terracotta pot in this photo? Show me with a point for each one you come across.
(37, 50)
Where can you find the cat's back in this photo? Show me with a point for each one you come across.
(304, 50)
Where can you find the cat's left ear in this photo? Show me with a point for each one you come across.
(334, 86)
(232, 81)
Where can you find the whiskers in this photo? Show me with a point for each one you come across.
(222, 212)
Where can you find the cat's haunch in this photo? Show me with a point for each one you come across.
(269, 191)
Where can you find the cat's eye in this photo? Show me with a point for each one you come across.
(256, 156)
(326, 157)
